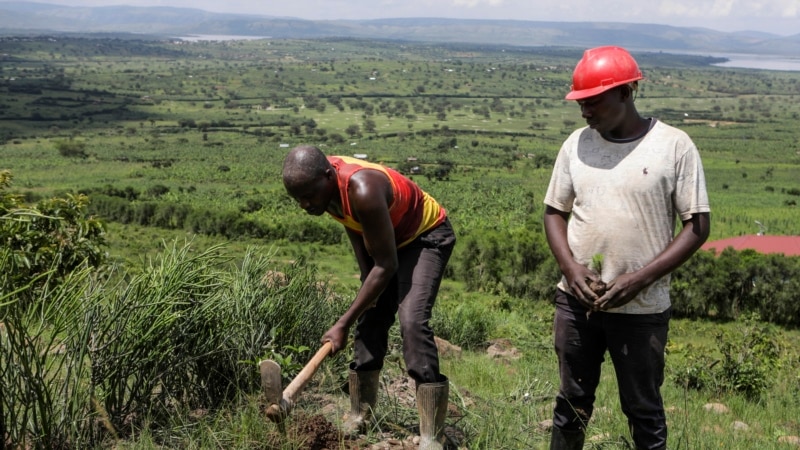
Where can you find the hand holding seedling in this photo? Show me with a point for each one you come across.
(620, 291)
(578, 279)
(595, 284)
(615, 293)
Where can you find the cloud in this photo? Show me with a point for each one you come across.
(791, 10)
(722, 8)
(729, 8)
(474, 3)
(774, 16)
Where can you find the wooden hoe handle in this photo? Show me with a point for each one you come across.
(277, 412)
(296, 386)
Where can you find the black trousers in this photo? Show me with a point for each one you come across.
(636, 345)
(410, 295)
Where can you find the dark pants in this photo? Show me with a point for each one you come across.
(636, 344)
(411, 295)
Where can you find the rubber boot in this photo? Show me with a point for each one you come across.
(432, 401)
(363, 395)
(566, 440)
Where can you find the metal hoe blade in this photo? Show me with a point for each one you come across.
(271, 381)
(280, 402)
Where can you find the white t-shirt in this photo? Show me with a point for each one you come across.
(624, 199)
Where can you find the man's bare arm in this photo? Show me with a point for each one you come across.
(370, 195)
(625, 287)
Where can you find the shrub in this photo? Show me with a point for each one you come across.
(517, 262)
(736, 283)
(187, 330)
(748, 358)
(466, 325)
(53, 237)
(188, 327)
(251, 206)
(157, 191)
(71, 149)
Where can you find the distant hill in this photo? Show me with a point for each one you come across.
(19, 17)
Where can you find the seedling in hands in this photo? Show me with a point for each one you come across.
(597, 286)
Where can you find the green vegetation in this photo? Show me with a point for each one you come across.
(597, 263)
(115, 334)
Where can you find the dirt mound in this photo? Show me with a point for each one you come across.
(319, 434)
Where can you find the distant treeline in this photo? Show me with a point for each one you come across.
(211, 222)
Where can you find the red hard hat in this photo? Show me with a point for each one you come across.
(601, 69)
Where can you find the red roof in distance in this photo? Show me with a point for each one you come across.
(788, 245)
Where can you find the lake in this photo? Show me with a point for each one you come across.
(219, 37)
(766, 62)
(737, 60)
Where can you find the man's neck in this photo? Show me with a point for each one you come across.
(631, 131)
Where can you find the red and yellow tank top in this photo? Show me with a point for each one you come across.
(412, 211)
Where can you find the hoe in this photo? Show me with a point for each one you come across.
(281, 402)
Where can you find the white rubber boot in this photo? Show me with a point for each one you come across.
(363, 395)
(432, 401)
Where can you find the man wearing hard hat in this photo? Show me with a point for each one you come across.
(614, 194)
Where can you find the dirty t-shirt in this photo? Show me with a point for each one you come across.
(624, 199)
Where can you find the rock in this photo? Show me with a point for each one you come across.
(446, 349)
(740, 426)
(792, 440)
(718, 408)
(502, 348)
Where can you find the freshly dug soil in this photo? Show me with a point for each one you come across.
(599, 287)
(320, 433)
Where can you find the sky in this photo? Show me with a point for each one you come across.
(780, 17)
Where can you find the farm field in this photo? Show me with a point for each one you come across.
(177, 142)
(211, 121)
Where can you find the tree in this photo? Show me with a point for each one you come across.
(353, 130)
(71, 149)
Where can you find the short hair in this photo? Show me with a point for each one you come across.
(304, 163)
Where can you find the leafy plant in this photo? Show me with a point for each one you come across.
(289, 358)
(55, 236)
(597, 263)
(747, 360)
